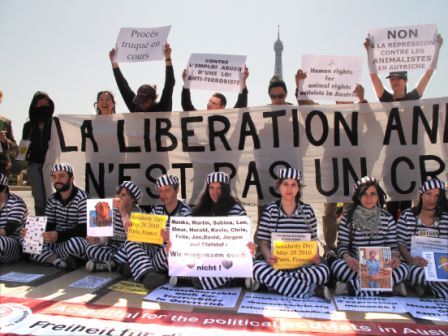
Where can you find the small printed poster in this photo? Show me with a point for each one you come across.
(91, 282)
(129, 287)
(100, 218)
(20, 277)
(375, 272)
(427, 242)
(33, 240)
(437, 268)
(24, 145)
(145, 228)
(292, 249)
(210, 247)
(222, 73)
(141, 44)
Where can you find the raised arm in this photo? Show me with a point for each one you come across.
(125, 90)
(423, 83)
(377, 84)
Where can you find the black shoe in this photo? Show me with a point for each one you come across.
(196, 283)
(323, 292)
(71, 263)
(180, 281)
(125, 270)
(152, 279)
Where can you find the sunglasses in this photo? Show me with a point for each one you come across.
(278, 96)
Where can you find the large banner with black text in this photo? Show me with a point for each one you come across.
(400, 143)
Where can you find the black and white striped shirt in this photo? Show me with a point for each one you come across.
(68, 218)
(386, 236)
(13, 215)
(409, 225)
(274, 219)
(182, 210)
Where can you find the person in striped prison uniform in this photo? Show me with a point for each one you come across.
(13, 214)
(66, 212)
(148, 262)
(430, 219)
(107, 253)
(366, 223)
(289, 215)
(215, 200)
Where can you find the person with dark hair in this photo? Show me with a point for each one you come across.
(428, 219)
(105, 254)
(217, 101)
(148, 262)
(66, 212)
(145, 99)
(7, 142)
(13, 214)
(105, 103)
(38, 131)
(289, 215)
(366, 223)
(398, 81)
(277, 91)
(216, 200)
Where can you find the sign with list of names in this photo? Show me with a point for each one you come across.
(210, 247)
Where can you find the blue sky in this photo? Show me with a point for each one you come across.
(62, 47)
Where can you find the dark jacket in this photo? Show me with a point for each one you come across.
(38, 136)
(9, 148)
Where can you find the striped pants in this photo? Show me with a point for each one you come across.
(73, 247)
(160, 264)
(140, 257)
(417, 277)
(10, 250)
(343, 273)
(298, 283)
(102, 253)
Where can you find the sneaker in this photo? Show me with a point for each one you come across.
(60, 263)
(125, 270)
(323, 292)
(152, 279)
(251, 284)
(399, 290)
(341, 288)
(197, 283)
(98, 266)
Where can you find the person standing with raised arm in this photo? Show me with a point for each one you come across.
(145, 99)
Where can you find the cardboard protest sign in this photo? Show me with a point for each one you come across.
(141, 44)
(330, 77)
(100, 218)
(375, 272)
(210, 246)
(33, 240)
(403, 48)
(292, 249)
(145, 228)
(215, 72)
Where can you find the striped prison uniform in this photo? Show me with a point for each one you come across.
(409, 225)
(299, 282)
(109, 250)
(350, 238)
(142, 256)
(13, 216)
(69, 219)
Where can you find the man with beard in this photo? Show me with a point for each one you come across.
(66, 213)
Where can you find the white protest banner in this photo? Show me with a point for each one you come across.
(33, 240)
(427, 309)
(215, 72)
(141, 44)
(403, 48)
(210, 247)
(428, 242)
(274, 305)
(334, 145)
(370, 304)
(100, 218)
(437, 268)
(331, 78)
(223, 297)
